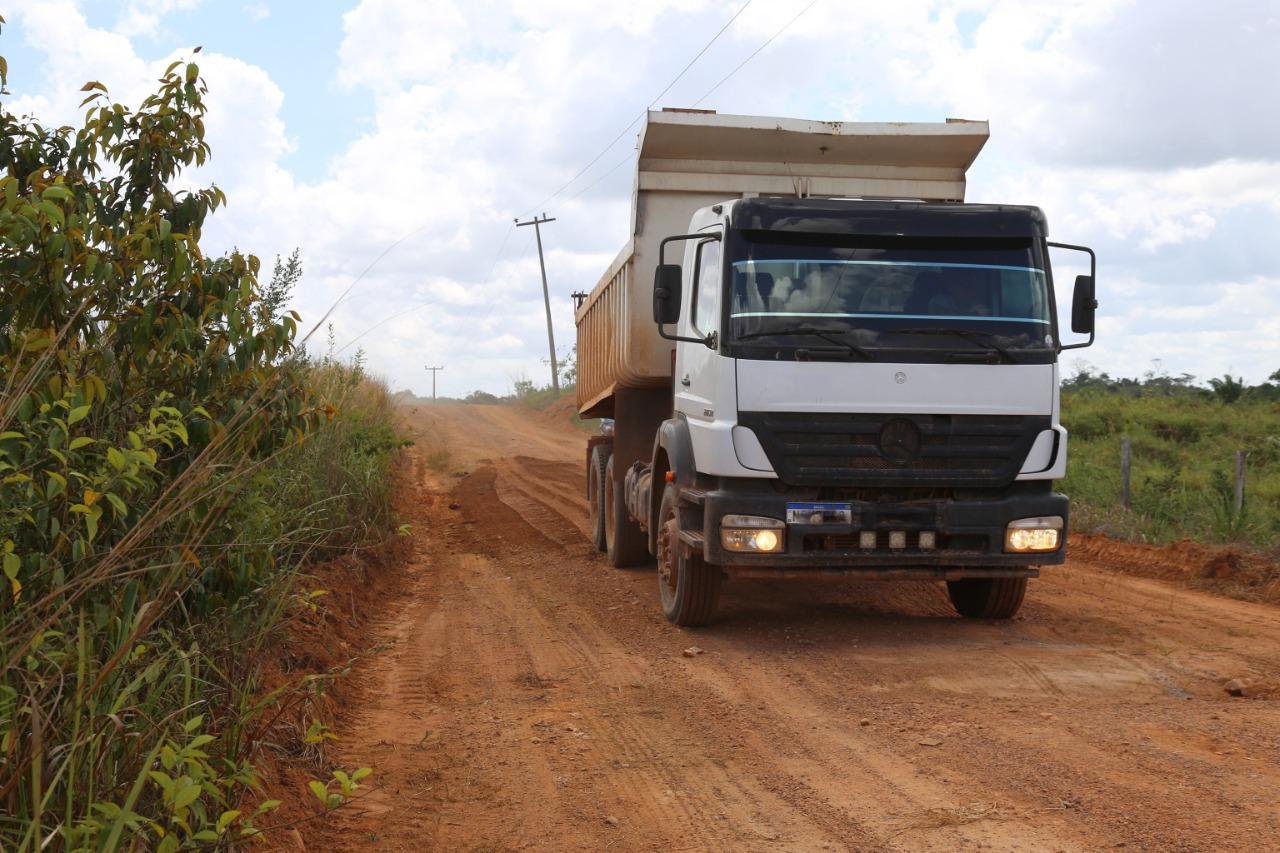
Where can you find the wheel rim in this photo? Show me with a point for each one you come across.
(593, 497)
(608, 510)
(668, 568)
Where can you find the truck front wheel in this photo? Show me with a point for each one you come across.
(688, 586)
(625, 543)
(987, 598)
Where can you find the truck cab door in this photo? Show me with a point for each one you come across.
(697, 365)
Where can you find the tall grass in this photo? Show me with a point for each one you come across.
(167, 461)
(127, 716)
(1183, 462)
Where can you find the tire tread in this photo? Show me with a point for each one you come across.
(987, 598)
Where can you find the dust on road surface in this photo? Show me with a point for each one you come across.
(533, 698)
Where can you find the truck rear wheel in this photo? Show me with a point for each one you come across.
(688, 586)
(595, 493)
(625, 543)
(987, 598)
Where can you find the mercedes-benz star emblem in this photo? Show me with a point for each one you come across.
(899, 441)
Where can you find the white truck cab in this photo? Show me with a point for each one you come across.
(856, 386)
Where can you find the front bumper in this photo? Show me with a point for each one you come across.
(969, 532)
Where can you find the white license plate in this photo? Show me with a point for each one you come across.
(819, 513)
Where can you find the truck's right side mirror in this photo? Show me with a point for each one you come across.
(1083, 305)
(666, 294)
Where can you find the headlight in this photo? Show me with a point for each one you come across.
(1040, 534)
(751, 533)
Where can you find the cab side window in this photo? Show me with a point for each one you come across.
(706, 312)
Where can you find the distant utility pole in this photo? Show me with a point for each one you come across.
(434, 371)
(546, 295)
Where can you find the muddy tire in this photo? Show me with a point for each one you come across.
(687, 585)
(987, 598)
(624, 542)
(595, 492)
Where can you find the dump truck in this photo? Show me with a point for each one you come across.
(819, 361)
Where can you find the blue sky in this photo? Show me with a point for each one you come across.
(1146, 130)
(296, 43)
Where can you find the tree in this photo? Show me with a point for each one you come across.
(1228, 389)
(141, 382)
(569, 368)
(284, 277)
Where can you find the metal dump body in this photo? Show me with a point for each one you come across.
(692, 159)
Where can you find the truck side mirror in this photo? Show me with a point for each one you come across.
(666, 294)
(1083, 305)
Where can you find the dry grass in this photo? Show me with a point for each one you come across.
(941, 817)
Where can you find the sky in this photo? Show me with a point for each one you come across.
(392, 142)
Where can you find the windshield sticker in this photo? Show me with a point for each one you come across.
(889, 316)
(935, 264)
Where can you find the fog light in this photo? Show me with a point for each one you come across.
(897, 540)
(1040, 534)
(867, 540)
(751, 533)
(928, 540)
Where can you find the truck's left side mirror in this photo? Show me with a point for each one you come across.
(1084, 302)
(666, 294)
(1083, 305)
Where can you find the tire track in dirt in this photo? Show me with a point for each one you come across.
(693, 802)
(553, 696)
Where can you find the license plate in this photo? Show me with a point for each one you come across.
(819, 513)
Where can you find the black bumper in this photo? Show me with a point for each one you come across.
(969, 532)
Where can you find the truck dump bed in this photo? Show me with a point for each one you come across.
(690, 159)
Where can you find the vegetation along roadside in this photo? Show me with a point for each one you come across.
(169, 458)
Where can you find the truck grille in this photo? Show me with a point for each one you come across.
(823, 449)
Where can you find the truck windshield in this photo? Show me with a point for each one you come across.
(893, 292)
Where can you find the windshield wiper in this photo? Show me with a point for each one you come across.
(983, 338)
(826, 334)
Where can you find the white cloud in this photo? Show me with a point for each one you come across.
(1151, 209)
(143, 17)
(1139, 128)
(257, 11)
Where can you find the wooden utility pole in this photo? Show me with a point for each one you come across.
(1240, 455)
(1126, 447)
(434, 371)
(546, 294)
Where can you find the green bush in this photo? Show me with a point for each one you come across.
(166, 460)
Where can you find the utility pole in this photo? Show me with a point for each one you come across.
(546, 295)
(434, 371)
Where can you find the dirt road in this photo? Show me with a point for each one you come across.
(535, 699)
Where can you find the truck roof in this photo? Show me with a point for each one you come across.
(887, 218)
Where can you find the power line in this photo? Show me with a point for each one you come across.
(350, 287)
(383, 321)
(623, 132)
(785, 27)
(624, 161)
(399, 314)
(347, 292)
(498, 256)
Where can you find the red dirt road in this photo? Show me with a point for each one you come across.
(532, 698)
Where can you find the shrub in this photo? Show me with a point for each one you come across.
(164, 455)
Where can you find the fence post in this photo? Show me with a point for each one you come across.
(1239, 482)
(1125, 447)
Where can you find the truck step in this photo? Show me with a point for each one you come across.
(694, 496)
(692, 538)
